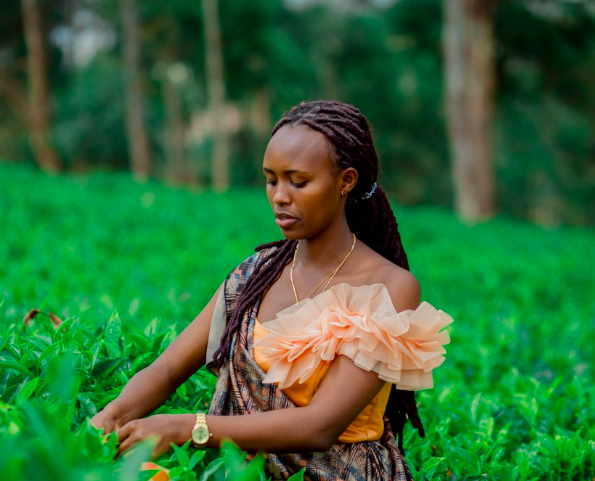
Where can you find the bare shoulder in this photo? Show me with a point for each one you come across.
(401, 284)
(403, 288)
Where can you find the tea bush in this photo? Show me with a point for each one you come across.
(127, 266)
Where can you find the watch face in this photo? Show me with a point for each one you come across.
(200, 435)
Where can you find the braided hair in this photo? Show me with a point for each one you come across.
(369, 216)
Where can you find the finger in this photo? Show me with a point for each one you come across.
(161, 447)
(96, 422)
(105, 429)
(108, 428)
(134, 439)
(124, 432)
(125, 446)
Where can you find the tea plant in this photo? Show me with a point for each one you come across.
(124, 267)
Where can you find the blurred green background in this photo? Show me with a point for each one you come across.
(91, 85)
(143, 113)
(152, 118)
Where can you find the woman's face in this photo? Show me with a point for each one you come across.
(303, 185)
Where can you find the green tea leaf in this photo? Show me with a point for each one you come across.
(182, 455)
(15, 366)
(299, 476)
(213, 468)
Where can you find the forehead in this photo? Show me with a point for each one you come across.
(297, 148)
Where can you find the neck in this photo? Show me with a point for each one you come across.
(328, 248)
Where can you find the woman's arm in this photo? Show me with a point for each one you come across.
(342, 395)
(149, 388)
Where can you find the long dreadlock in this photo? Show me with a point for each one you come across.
(370, 218)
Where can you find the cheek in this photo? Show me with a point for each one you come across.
(323, 203)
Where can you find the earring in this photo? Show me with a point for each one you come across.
(342, 192)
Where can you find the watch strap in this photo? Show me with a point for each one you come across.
(201, 423)
(201, 418)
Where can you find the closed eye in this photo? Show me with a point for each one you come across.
(298, 185)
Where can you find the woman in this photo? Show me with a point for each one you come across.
(312, 331)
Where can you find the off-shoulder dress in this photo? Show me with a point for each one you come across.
(280, 363)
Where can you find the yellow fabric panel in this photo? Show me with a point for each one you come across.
(367, 426)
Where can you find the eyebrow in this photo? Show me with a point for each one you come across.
(293, 171)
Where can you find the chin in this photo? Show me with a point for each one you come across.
(292, 235)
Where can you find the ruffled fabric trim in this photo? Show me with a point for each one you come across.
(361, 323)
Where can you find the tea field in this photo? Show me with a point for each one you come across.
(126, 266)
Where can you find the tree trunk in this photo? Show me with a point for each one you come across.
(175, 141)
(260, 113)
(38, 108)
(14, 95)
(470, 81)
(216, 93)
(545, 202)
(140, 154)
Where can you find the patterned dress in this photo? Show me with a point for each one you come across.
(240, 390)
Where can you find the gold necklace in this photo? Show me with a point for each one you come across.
(331, 275)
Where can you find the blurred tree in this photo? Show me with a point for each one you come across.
(272, 66)
(38, 105)
(172, 74)
(140, 154)
(470, 76)
(407, 101)
(13, 93)
(177, 167)
(171, 36)
(385, 57)
(14, 117)
(546, 110)
(216, 90)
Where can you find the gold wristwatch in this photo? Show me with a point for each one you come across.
(200, 432)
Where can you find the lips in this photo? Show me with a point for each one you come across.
(284, 220)
(284, 216)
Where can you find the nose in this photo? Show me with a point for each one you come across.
(281, 194)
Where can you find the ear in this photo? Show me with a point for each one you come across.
(348, 179)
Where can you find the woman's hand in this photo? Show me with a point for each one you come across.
(168, 428)
(151, 387)
(105, 420)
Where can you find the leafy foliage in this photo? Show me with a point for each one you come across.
(125, 267)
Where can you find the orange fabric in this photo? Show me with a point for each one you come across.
(361, 323)
(161, 475)
(367, 426)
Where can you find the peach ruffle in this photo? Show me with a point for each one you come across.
(361, 323)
